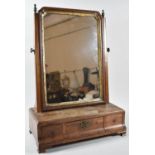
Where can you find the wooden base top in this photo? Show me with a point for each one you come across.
(75, 113)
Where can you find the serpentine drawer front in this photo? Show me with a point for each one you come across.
(78, 127)
(113, 122)
(114, 119)
(82, 127)
(51, 132)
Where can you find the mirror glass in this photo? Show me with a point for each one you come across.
(71, 59)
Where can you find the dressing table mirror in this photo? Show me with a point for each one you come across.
(71, 56)
(72, 98)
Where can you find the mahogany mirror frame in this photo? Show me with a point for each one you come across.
(40, 102)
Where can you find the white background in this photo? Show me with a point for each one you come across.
(117, 39)
(142, 83)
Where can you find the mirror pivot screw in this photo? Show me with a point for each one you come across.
(108, 49)
(32, 50)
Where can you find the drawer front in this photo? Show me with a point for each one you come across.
(52, 131)
(83, 125)
(113, 120)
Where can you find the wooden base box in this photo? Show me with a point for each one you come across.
(70, 125)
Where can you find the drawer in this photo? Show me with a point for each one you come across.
(112, 120)
(83, 125)
(52, 131)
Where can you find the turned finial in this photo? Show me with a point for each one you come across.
(35, 8)
(102, 12)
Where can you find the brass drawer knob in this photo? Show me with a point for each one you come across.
(84, 124)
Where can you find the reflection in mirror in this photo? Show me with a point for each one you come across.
(71, 59)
